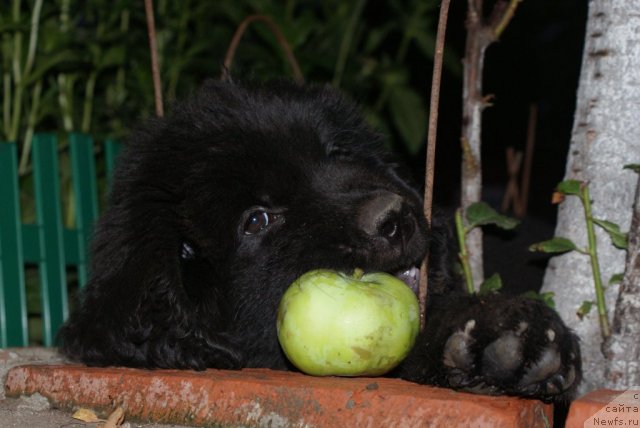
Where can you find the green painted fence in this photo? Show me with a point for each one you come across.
(46, 243)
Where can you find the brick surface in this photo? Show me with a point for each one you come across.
(259, 397)
(12, 357)
(605, 407)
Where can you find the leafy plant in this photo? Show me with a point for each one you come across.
(479, 214)
(546, 297)
(84, 66)
(559, 245)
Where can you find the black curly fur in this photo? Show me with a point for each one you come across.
(177, 283)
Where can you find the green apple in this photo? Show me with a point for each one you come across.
(331, 323)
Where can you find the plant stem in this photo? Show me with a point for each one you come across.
(423, 284)
(33, 37)
(65, 83)
(65, 9)
(463, 255)
(88, 102)
(31, 124)
(6, 103)
(120, 91)
(345, 45)
(506, 18)
(282, 41)
(17, 74)
(595, 265)
(65, 91)
(155, 62)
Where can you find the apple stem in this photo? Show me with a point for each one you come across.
(358, 273)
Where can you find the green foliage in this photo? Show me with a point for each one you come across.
(491, 285)
(88, 68)
(635, 167)
(92, 64)
(616, 278)
(585, 308)
(570, 187)
(554, 245)
(546, 297)
(618, 238)
(408, 113)
(563, 245)
(480, 214)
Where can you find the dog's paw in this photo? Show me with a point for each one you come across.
(519, 352)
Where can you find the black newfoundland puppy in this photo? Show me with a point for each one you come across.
(218, 208)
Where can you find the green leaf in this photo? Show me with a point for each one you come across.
(377, 35)
(50, 63)
(491, 285)
(409, 116)
(635, 167)
(480, 213)
(619, 239)
(616, 278)
(546, 297)
(570, 187)
(584, 309)
(554, 245)
(112, 57)
(11, 27)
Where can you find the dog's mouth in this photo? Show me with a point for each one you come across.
(410, 276)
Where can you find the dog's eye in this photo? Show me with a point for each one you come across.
(257, 221)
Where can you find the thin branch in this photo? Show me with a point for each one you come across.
(282, 41)
(474, 102)
(480, 34)
(431, 147)
(506, 17)
(528, 159)
(153, 48)
(512, 193)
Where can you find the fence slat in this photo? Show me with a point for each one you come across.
(85, 190)
(111, 151)
(31, 243)
(13, 305)
(49, 219)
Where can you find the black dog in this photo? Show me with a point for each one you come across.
(216, 209)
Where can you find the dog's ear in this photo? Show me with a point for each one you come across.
(135, 311)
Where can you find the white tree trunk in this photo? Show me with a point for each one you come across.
(606, 136)
(622, 348)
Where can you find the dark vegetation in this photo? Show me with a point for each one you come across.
(91, 73)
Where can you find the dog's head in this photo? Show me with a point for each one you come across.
(242, 189)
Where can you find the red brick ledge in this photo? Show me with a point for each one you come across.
(595, 404)
(259, 397)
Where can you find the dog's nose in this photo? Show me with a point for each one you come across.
(387, 216)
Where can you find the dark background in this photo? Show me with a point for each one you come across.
(537, 61)
(387, 71)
